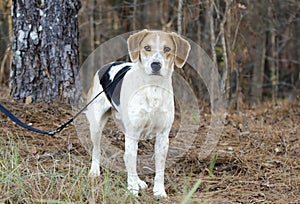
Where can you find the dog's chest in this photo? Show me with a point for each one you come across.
(151, 109)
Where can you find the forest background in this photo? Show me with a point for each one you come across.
(254, 43)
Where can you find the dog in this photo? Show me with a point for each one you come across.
(139, 94)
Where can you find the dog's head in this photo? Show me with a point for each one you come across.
(158, 51)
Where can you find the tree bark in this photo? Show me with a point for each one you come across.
(45, 50)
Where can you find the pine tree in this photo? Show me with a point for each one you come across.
(45, 50)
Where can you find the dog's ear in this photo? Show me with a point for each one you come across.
(182, 51)
(133, 43)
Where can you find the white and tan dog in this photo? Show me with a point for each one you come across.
(142, 101)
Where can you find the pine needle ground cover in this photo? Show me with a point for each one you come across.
(257, 160)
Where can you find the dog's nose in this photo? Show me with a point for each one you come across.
(156, 66)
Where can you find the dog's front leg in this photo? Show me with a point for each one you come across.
(161, 151)
(134, 183)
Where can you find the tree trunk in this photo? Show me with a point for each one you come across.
(134, 15)
(45, 50)
(210, 16)
(272, 63)
(179, 17)
(259, 53)
(258, 70)
(225, 42)
(5, 42)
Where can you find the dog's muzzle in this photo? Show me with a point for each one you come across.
(155, 66)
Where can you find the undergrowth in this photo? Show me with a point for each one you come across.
(44, 179)
(47, 179)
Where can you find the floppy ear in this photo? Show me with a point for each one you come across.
(182, 51)
(133, 43)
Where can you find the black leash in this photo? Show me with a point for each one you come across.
(64, 125)
(20, 123)
(50, 132)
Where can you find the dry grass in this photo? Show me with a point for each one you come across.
(257, 160)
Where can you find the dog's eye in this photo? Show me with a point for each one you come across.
(167, 49)
(147, 48)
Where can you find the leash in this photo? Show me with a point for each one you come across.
(50, 132)
(64, 125)
(20, 123)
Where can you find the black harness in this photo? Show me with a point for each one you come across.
(112, 87)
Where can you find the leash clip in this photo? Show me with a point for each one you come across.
(52, 133)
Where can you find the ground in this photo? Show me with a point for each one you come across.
(257, 160)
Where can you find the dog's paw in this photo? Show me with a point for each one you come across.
(142, 184)
(133, 189)
(135, 185)
(159, 191)
(94, 172)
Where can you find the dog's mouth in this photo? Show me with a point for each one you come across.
(153, 73)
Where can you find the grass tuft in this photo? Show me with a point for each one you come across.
(191, 192)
